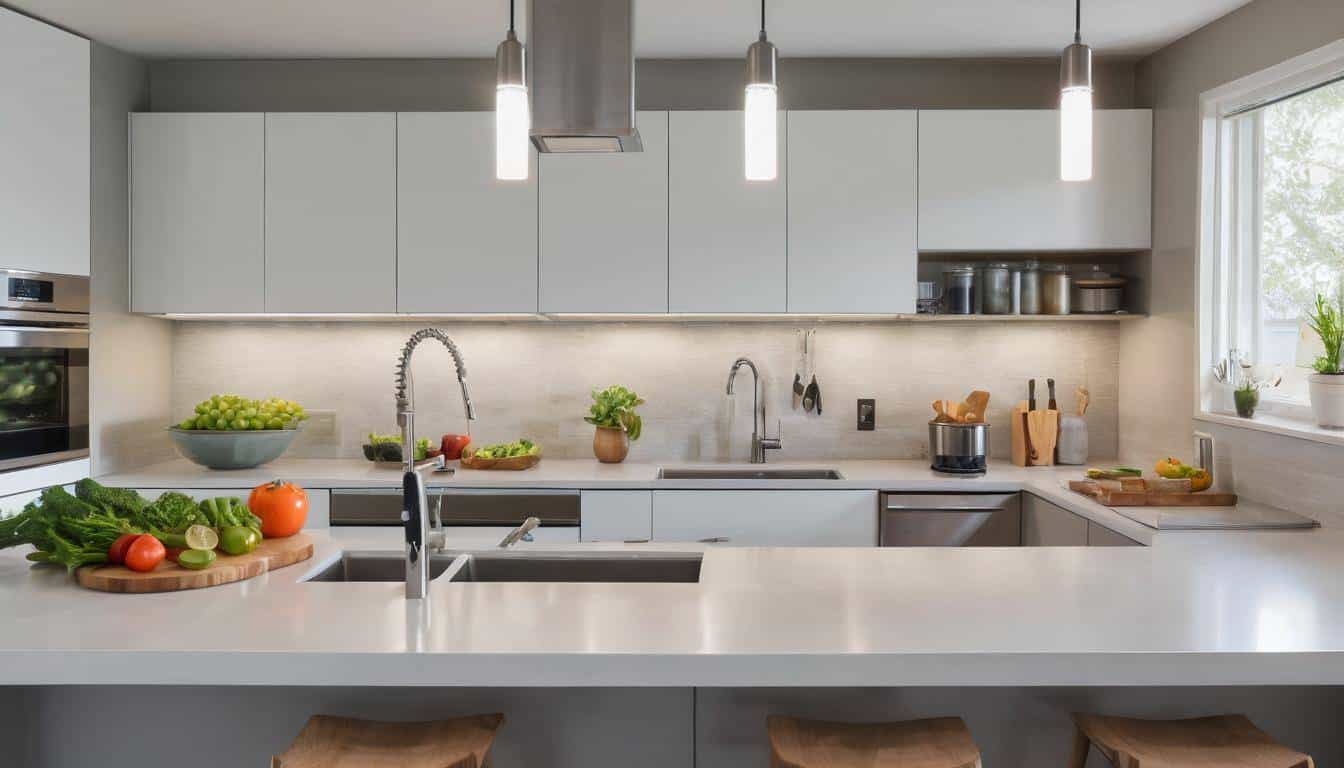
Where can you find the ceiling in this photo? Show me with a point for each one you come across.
(664, 28)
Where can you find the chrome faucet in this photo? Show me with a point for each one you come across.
(759, 442)
(421, 538)
(521, 533)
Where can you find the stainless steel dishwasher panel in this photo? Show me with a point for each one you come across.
(459, 507)
(951, 520)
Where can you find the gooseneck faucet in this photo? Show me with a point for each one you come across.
(759, 442)
(421, 538)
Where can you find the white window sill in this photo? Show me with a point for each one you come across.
(1278, 425)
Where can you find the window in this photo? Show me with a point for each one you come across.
(1272, 202)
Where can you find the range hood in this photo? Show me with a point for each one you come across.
(581, 57)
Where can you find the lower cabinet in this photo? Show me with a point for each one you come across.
(767, 518)
(616, 516)
(1045, 524)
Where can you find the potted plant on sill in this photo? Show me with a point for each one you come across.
(1247, 394)
(613, 413)
(1327, 383)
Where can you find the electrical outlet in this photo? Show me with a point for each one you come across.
(320, 425)
(867, 421)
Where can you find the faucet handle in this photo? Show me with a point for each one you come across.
(773, 443)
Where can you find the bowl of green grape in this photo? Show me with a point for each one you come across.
(233, 432)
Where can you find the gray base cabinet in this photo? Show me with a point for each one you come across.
(1045, 524)
(767, 518)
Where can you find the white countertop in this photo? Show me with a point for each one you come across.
(1223, 607)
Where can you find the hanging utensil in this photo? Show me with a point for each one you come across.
(810, 396)
(800, 361)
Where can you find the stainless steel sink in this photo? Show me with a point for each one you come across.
(738, 473)
(612, 567)
(376, 566)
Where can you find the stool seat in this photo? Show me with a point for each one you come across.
(1225, 741)
(942, 742)
(341, 742)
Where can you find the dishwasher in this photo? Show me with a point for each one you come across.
(950, 520)
(478, 513)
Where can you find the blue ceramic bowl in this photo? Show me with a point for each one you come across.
(243, 449)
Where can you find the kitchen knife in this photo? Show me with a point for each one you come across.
(1031, 394)
(1054, 406)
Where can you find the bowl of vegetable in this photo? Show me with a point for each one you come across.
(231, 432)
(520, 454)
(386, 449)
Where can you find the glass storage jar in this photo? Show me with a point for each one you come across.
(959, 289)
(1029, 300)
(1055, 287)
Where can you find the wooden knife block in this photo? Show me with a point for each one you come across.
(1025, 454)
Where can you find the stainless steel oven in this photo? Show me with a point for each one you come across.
(951, 520)
(44, 369)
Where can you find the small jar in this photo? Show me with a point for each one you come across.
(1056, 286)
(1016, 282)
(996, 289)
(959, 290)
(1030, 303)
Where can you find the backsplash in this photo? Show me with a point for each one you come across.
(533, 380)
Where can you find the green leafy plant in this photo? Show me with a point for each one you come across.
(614, 407)
(1327, 320)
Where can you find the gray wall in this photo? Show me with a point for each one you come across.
(1158, 385)
(468, 84)
(130, 363)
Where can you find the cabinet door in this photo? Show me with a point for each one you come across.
(617, 515)
(767, 518)
(727, 237)
(198, 185)
(331, 212)
(44, 147)
(602, 220)
(1049, 525)
(466, 242)
(1101, 536)
(989, 181)
(853, 210)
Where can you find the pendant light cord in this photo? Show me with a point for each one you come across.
(763, 15)
(1077, 20)
(511, 14)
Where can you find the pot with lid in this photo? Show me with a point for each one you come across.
(958, 448)
(1098, 293)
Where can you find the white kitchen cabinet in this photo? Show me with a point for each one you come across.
(602, 225)
(989, 181)
(767, 518)
(853, 211)
(44, 147)
(319, 500)
(1101, 536)
(331, 212)
(1045, 524)
(617, 515)
(198, 188)
(727, 237)
(466, 241)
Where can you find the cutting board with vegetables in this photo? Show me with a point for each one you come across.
(1150, 497)
(269, 555)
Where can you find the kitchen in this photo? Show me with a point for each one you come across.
(275, 216)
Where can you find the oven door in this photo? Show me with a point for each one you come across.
(44, 395)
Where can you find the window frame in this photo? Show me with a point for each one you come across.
(1230, 135)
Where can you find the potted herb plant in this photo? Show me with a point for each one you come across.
(1327, 383)
(613, 413)
(1247, 393)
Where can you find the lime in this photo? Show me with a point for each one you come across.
(202, 537)
(196, 559)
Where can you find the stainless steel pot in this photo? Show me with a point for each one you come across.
(958, 448)
(1098, 295)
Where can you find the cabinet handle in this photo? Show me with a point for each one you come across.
(713, 540)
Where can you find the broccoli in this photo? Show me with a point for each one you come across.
(122, 502)
(170, 513)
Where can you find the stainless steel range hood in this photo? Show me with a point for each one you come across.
(581, 57)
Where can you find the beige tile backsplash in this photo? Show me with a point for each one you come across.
(533, 379)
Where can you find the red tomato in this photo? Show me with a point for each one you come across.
(282, 507)
(117, 552)
(171, 553)
(145, 553)
(452, 446)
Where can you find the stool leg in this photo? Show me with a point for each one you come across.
(1081, 744)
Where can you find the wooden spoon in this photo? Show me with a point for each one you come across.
(1083, 399)
(977, 403)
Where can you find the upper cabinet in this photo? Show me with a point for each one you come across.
(466, 242)
(853, 211)
(989, 181)
(602, 226)
(727, 242)
(44, 147)
(197, 212)
(331, 212)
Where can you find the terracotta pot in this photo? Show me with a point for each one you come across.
(610, 445)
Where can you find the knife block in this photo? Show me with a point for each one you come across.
(1025, 453)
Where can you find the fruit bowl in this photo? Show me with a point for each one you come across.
(242, 449)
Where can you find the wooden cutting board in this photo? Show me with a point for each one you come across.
(269, 555)
(1111, 497)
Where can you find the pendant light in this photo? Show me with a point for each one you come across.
(1075, 106)
(512, 116)
(762, 143)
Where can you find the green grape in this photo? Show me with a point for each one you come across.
(258, 424)
(187, 424)
(240, 423)
(214, 413)
(249, 412)
(275, 423)
(203, 408)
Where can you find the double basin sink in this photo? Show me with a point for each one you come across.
(562, 567)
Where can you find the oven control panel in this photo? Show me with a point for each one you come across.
(29, 289)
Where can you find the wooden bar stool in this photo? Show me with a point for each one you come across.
(942, 742)
(1225, 741)
(341, 742)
